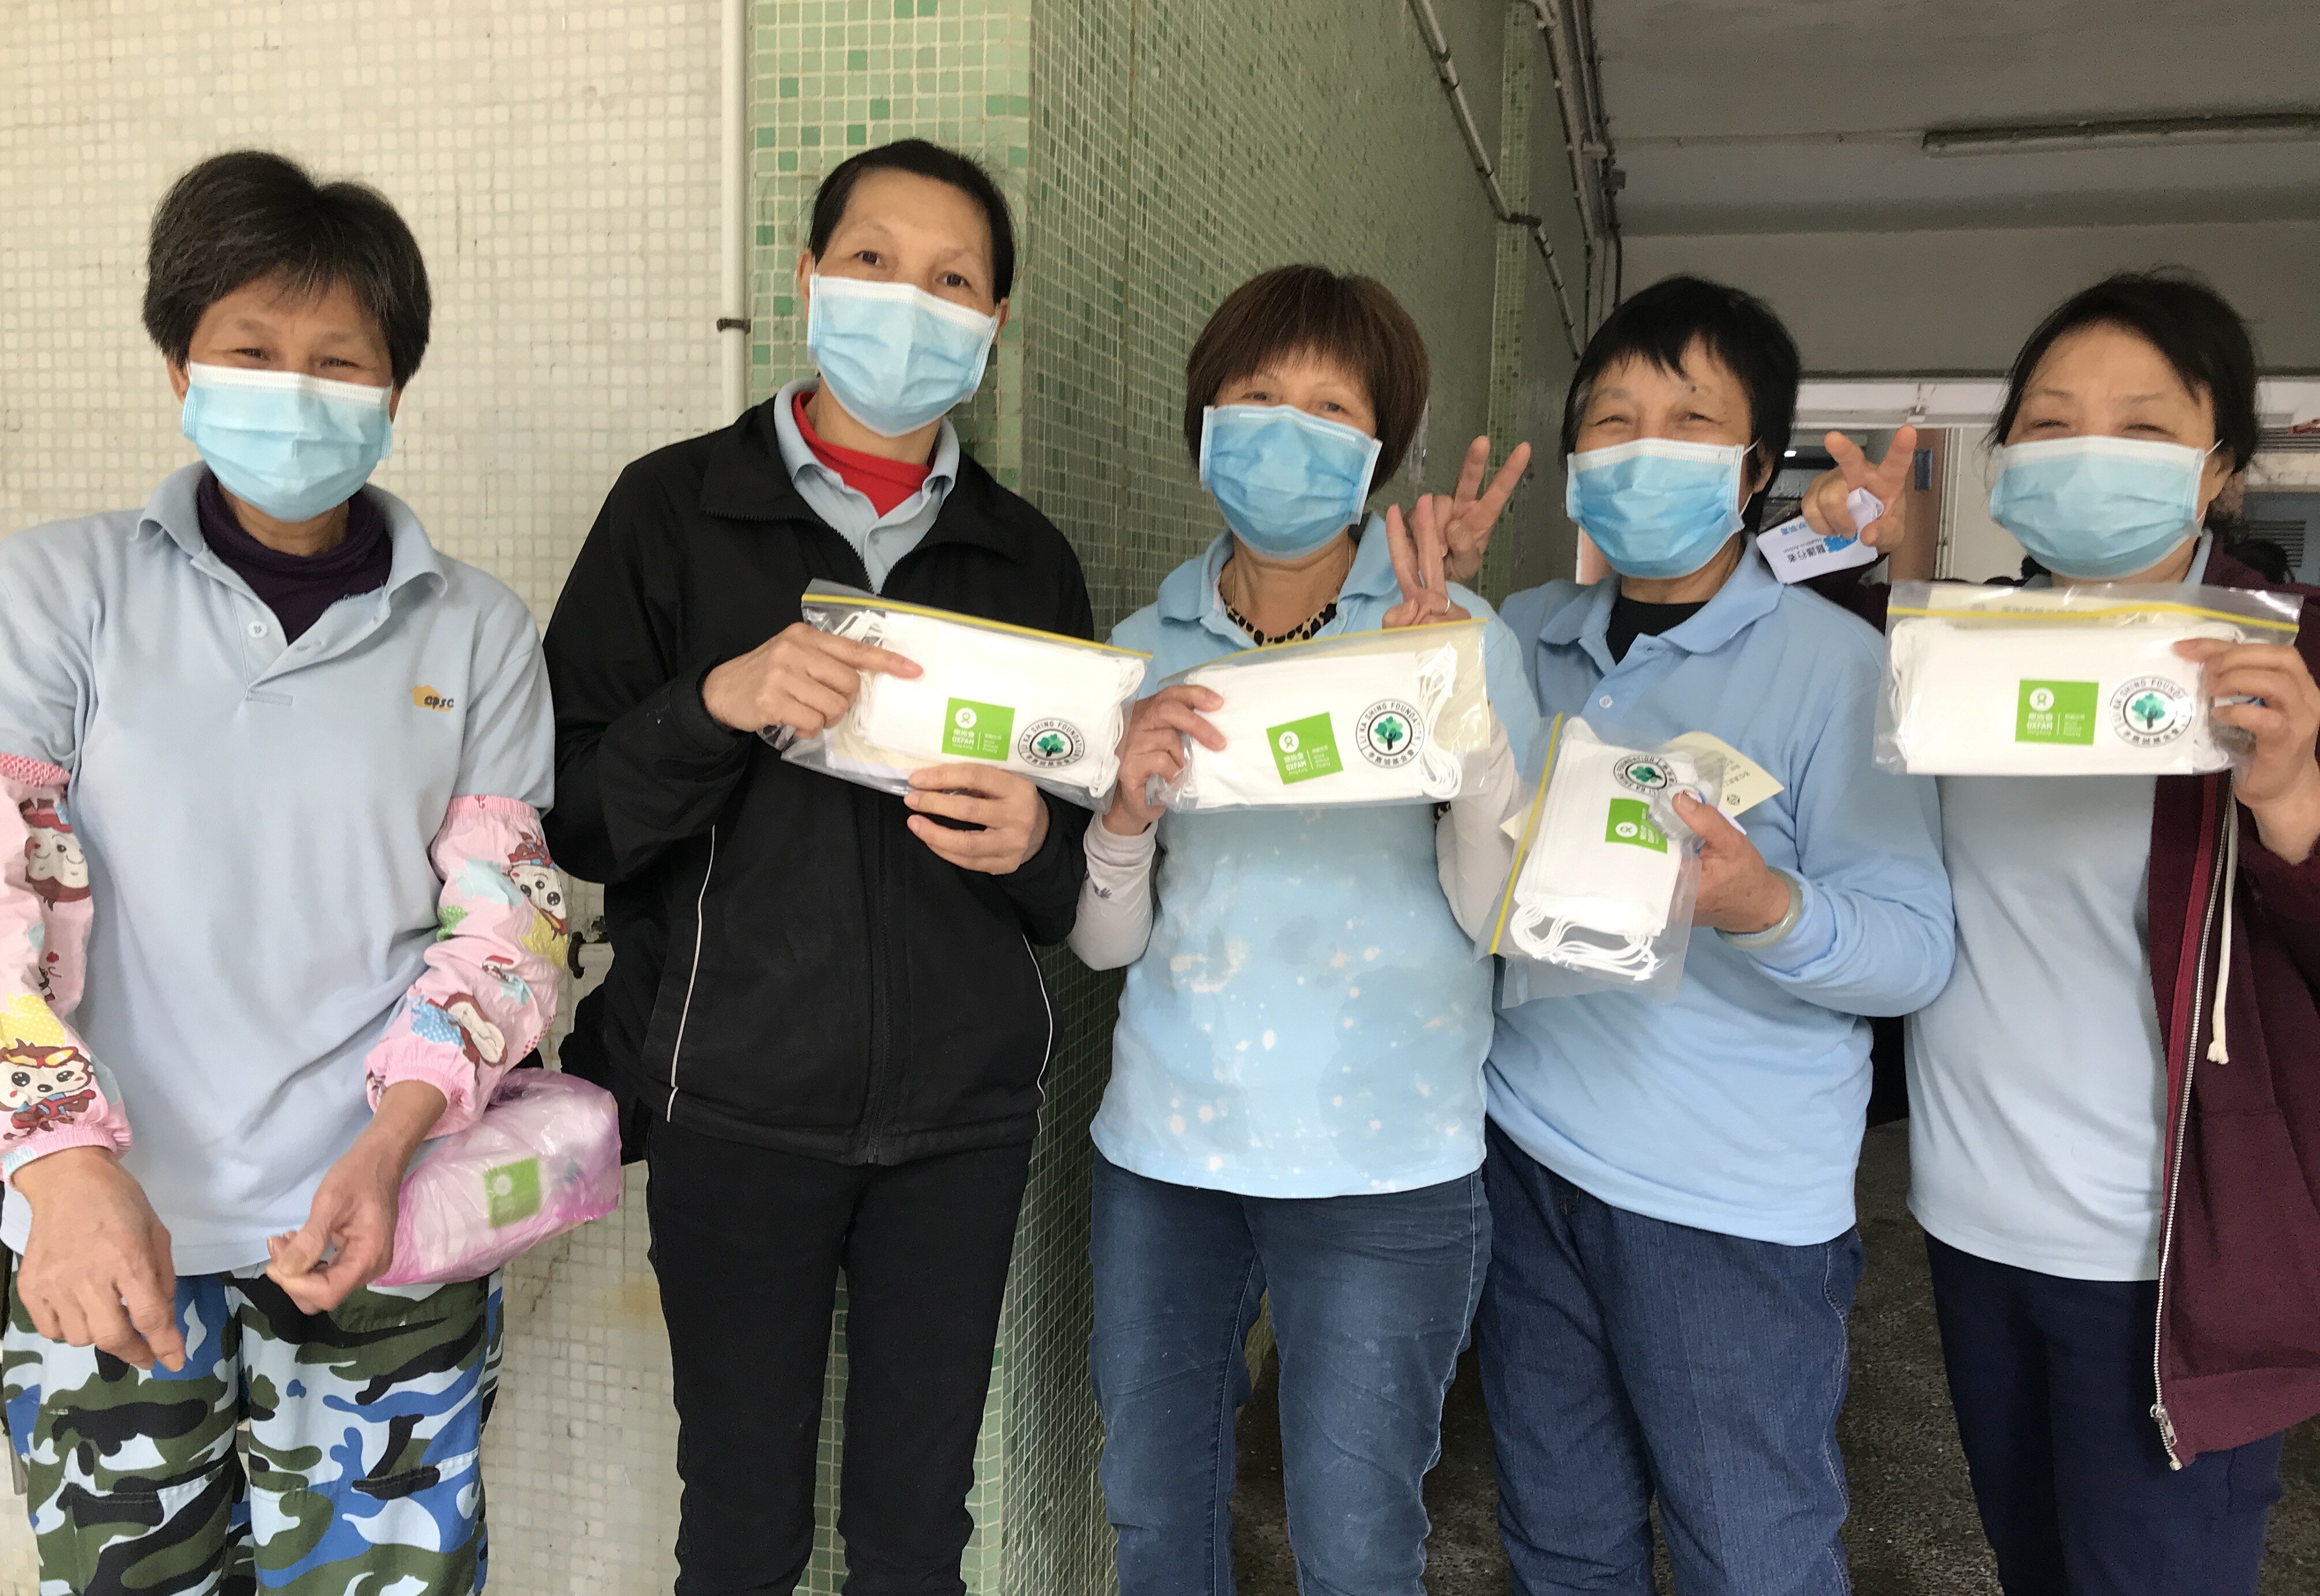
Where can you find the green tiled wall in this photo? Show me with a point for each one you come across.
(1157, 153)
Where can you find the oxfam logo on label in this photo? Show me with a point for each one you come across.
(2042, 699)
(2149, 711)
(964, 718)
(1646, 776)
(1289, 742)
(1388, 733)
(1050, 744)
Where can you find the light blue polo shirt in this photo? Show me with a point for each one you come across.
(1308, 1020)
(881, 540)
(1737, 1104)
(256, 819)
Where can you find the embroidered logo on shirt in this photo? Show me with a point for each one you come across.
(430, 698)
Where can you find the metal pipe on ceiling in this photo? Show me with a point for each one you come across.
(1568, 28)
(1445, 72)
(2124, 133)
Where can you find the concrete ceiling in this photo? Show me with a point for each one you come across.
(1764, 115)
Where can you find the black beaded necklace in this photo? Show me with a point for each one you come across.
(1295, 634)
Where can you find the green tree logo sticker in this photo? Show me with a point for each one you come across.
(1388, 733)
(2150, 712)
(1050, 744)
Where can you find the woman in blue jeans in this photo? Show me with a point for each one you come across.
(1296, 1101)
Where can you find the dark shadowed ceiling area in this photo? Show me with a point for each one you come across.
(1762, 115)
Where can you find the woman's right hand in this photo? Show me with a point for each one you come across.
(1154, 744)
(1823, 505)
(97, 1271)
(801, 677)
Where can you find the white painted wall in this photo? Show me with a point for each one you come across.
(559, 165)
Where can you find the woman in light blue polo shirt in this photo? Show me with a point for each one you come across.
(1296, 1101)
(1671, 1182)
(274, 908)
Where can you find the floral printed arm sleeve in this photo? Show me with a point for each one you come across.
(53, 1094)
(488, 994)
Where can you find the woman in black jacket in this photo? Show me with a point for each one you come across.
(823, 996)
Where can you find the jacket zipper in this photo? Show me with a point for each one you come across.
(873, 1102)
(2215, 887)
(700, 935)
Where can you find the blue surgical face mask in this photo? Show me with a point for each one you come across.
(1657, 507)
(1287, 481)
(2098, 507)
(294, 446)
(894, 356)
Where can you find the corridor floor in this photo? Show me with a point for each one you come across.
(1913, 1531)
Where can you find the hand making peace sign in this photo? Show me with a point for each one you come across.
(1418, 565)
(1467, 516)
(1824, 504)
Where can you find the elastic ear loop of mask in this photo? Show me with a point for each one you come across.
(1441, 772)
(1565, 943)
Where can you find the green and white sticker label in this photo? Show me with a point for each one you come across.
(977, 730)
(1631, 824)
(1303, 749)
(2056, 711)
(511, 1192)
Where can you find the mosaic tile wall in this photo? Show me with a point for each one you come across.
(1158, 153)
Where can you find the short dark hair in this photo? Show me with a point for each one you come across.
(1663, 322)
(1310, 309)
(249, 214)
(917, 156)
(2194, 330)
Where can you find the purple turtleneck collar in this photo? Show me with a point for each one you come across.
(298, 587)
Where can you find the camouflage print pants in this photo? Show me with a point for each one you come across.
(366, 1434)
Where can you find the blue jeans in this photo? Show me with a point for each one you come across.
(1371, 1299)
(1626, 1359)
(2052, 1382)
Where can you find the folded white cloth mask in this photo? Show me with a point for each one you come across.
(1304, 732)
(1049, 710)
(2067, 700)
(1599, 884)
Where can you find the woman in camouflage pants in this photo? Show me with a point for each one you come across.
(272, 913)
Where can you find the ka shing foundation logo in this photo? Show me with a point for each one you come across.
(428, 698)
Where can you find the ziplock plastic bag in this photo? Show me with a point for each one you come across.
(1368, 717)
(1605, 874)
(2064, 681)
(545, 1158)
(1044, 706)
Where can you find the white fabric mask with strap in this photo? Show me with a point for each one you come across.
(1043, 708)
(1303, 733)
(1599, 880)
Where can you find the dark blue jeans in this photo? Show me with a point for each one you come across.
(2052, 1382)
(1626, 1359)
(1372, 1297)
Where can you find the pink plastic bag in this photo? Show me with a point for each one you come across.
(545, 1158)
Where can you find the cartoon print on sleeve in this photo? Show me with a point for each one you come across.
(488, 992)
(535, 877)
(44, 1088)
(53, 1094)
(55, 868)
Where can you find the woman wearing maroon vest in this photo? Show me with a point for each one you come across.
(2114, 1103)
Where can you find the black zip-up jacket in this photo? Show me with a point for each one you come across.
(791, 968)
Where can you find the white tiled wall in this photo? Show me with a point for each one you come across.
(557, 161)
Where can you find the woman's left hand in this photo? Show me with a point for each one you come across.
(348, 1240)
(1008, 808)
(2280, 784)
(1418, 561)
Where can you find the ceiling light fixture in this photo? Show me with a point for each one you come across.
(2279, 127)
